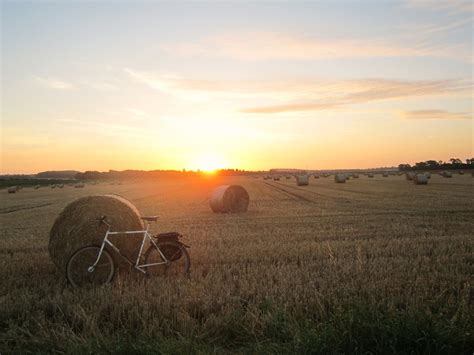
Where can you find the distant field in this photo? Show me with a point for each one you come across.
(373, 264)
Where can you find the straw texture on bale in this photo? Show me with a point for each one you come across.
(229, 199)
(420, 179)
(77, 226)
(340, 178)
(302, 180)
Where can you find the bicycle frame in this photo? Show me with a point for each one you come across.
(136, 265)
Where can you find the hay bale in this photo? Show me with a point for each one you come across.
(420, 179)
(288, 177)
(37, 187)
(316, 176)
(355, 176)
(79, 185)
(53, 186)
(77, 226)
(460, 172)
(447, 174)
(60, 186)
(276, 178)
(384, 174)
(13, 189)
(370, 175)
(428, 175)
(229, 198)
(340, 178)
(302, 180)
(410, 176)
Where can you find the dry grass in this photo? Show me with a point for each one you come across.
(375, 264)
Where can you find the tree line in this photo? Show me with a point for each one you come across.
(452, 164)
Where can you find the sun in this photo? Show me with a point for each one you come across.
(209, 162)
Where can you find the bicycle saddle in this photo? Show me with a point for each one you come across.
(149, 218)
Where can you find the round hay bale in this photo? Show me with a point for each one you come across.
(355, 176)
(79, 185)
(420, 179)
(229, 198)
(13, 189)
(384, 174)
(276, 178)
(447, 174)
(77, 226)
(302, 180)
(410, 176)
(316, 176)
(461, 172)
(340, 178)
(370, 175)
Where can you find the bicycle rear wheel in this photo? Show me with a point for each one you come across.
(177, 255)
(78, 272)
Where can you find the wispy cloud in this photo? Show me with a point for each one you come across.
(257, 46)
(445, 6)
(435, 115)
(338, 94)
(299, 95)
(53, 83)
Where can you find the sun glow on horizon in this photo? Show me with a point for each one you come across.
(208, 162)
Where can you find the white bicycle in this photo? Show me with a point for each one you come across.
(93, 264)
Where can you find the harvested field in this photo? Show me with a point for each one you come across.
(375, 263)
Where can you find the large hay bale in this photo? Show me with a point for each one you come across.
(229, 198)
(420, 179)
(447, 174)
(340, 178)
(77, 226)
(302, 180)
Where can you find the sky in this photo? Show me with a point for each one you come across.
(254, 85)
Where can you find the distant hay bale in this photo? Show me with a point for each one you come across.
(410, 176)
(13, 189)
(53, 186)
(79, 185)
(60, 186)
(288, 177)
(428, 175)
(384, 174)
(229, 199)
(37, 187)
(461, 172)
(340, 178)
(355, 176)
(77, 226)
(316, 176)
(302, 180)
(370, 175)
(276, 178)
(420, 179)
(447, 174)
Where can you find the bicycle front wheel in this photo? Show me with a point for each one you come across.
(79, 271)
(178, 260)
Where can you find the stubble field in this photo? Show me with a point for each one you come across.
(378, 265)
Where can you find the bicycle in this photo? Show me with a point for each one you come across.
(93, 264)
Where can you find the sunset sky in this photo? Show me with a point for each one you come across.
(252, 85)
